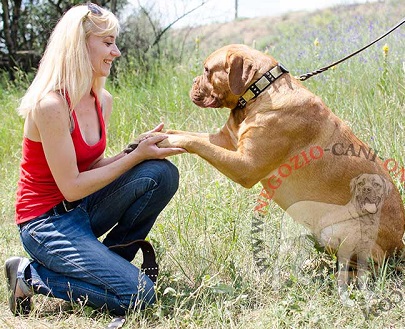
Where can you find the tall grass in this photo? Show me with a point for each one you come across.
(203, 238)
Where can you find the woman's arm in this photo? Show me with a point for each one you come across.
(106, 103)
(52, 121)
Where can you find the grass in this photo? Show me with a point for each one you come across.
(209, 277)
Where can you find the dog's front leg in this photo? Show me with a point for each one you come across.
(222, 138)
(242, 166)
(343, 283)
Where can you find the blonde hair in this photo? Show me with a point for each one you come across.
(65, 65)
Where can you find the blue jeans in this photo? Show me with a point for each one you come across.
(71, 263)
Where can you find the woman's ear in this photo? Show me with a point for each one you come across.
(241, 72)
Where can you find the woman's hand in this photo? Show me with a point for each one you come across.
(133, 145)
(157, 129)
(148, 149)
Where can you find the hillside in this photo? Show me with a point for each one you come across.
(262, 32)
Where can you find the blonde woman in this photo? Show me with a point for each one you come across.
(69, 194)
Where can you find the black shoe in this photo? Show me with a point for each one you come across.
(18, 305)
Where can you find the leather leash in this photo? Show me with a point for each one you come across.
(149, 267)
(306, 76)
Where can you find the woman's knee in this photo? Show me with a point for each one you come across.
(142, 296)
(165, 174)
(171, 175)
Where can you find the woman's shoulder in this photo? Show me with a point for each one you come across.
(50, 115)
(106, 103)
(52, 104)
(106, 93)
(106, 96)
(52, 100)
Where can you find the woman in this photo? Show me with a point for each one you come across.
(69, 194)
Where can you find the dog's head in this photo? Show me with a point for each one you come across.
(228, 73)
(369, 192)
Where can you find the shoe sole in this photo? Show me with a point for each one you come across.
(18, 305)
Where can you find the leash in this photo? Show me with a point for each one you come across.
(149, 267)
(306, 76)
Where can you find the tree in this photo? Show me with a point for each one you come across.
(26, 27)
(143, 30)
(10, 14)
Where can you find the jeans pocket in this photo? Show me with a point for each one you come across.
(55, 231)
(36, 228)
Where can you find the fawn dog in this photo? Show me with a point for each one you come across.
(349, 203)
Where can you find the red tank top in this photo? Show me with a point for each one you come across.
(37, 191)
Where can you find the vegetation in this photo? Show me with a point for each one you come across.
(203, 239)
(25, 29)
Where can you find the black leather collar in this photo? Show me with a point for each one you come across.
(266, 80)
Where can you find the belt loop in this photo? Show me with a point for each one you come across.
(64, 206)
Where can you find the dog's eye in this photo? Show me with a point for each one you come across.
(206, 70)
(376, 185)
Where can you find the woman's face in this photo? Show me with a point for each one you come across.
(102, 51)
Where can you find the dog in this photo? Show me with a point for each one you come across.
(368, 194)
(273, 117)
(349, 230)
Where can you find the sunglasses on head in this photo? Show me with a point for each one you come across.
(93, 9)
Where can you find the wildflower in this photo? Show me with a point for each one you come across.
(385, 49)
(197, 43)
(316, 42)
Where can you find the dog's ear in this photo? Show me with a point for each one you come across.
(387, 185)
(241, 71)
(353, 184)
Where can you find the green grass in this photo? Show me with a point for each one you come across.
(209, 278)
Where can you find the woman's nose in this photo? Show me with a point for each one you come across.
(115, 51)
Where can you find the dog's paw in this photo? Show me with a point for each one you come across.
(345, 299)
(134, 144)
(173, 141)
(164, 144)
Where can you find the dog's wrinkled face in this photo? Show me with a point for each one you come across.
(228, 72)
(369, 192)
(208, 89)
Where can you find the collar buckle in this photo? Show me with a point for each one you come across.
(260, 85)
